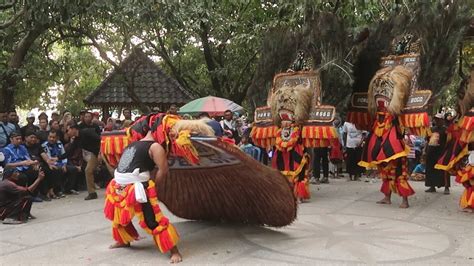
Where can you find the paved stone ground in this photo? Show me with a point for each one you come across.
(340, 225)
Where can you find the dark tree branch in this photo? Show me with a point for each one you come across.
(8, 5)
(9, 22)
(129, 82)
(244, 70)
(164, 54)
(211, 66)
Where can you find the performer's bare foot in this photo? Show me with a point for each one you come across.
(119, 245)
(175, 255)
(385, 200)
(469, 210)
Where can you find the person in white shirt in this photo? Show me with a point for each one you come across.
(353, 144)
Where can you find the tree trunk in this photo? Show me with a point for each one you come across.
(10, 77)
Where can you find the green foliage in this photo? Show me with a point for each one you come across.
(224, 48)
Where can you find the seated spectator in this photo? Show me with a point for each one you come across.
(15, 200)
(61, 176)
(419, 172)
(6, 129)
(17, 156)
(218, 131)
(43, 131)
(30, 120)
(54, 125)
(32, 145)
(244, 143)
(74, 158)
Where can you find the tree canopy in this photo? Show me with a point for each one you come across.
(63, 49)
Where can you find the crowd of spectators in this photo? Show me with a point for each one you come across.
(50, 157)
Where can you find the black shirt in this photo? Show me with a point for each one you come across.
(26, 128)
(88, 140)
(42, 135)
(34, 151)
(136, 156)
(94, 126)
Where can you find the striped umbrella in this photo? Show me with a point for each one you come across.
(215, 106)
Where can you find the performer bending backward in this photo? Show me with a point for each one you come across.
(133, 193)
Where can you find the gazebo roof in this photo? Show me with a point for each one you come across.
(151, 85)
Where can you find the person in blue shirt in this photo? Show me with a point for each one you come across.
(6, 129)
(419, 172)
(16, 156)
(61, 176)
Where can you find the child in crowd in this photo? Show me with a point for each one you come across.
(419, 172)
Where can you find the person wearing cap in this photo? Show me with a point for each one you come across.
(30, 126)
(89, 141)
(15, 200)
(6, 129)
(435, 177)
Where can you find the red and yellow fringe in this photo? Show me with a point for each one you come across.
(465, 176)
(121, 206)
(315, 136)
(393, 183)
(264, 136)
(416, 123)
(467, 129)
(362, 120)
(112, 146)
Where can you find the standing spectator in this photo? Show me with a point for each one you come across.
(127, 114)
(6, 129)
(15, 200)
(228, 124)
(320, 160)
(352, 142)
(96, 121)
(218, 131)
(89, 141)
(434, 150)
(67, 116)
(110, 125)
(43, 115)
(55, 116)
(43, 131)
(13, 119)
(173, 109)
(87, 123)
(30, 126)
